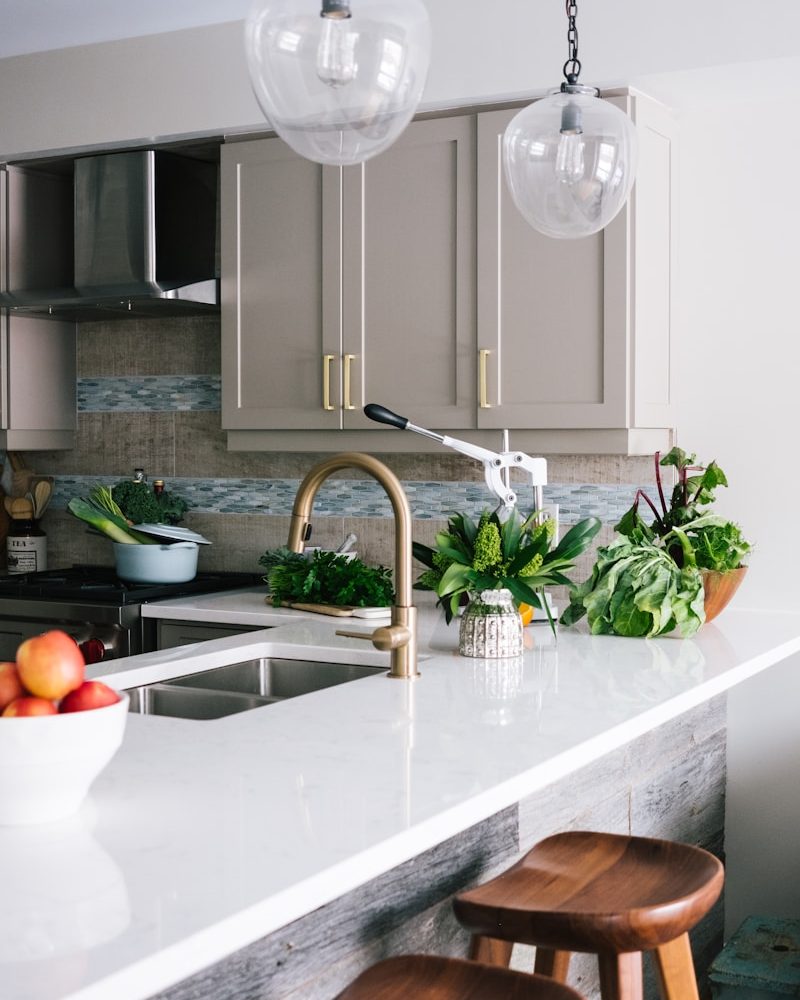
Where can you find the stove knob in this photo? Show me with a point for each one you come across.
(93, 649)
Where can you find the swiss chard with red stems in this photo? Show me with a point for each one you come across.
(717, 542)
(649, 580)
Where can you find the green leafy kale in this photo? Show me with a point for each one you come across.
(141, 505)
(328, 578)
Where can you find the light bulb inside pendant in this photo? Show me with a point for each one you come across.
(336, 60)
(338, 80)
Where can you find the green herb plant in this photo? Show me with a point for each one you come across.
(491, 554)
(328, 578)
(650, 580)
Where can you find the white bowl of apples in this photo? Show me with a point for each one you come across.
(57, 730)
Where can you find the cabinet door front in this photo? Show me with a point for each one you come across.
(552, 322)
(280, 289)
(408, 278)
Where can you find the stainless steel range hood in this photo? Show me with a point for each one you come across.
(144, 231)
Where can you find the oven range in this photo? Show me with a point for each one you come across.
(93, 605)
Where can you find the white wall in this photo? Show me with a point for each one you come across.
(194, 81)
(737, 378)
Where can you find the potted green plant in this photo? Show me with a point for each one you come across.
(513, 554)
(678, 571)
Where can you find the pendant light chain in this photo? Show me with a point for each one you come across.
(572, 67)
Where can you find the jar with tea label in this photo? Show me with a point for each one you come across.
(26, 546)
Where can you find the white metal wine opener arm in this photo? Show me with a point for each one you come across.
(496, 465)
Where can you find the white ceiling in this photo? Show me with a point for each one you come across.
(41, 25)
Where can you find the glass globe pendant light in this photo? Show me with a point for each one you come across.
(570, 158)
(338, 80)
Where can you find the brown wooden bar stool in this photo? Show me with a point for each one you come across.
(601, 893)
(428, 977)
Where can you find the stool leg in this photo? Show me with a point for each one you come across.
(490, 950)
(553, 964)
(621, 976)
(675, 969)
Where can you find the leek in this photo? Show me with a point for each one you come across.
(101, 496)
(107, 522)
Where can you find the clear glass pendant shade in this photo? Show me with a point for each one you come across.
(570, 161)
(338, 87)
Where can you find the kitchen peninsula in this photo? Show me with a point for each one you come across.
(275, 852)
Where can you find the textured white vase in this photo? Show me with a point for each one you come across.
(491, 626)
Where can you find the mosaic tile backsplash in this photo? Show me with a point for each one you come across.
(364, 498)
(149, 396)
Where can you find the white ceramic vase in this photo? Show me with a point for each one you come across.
(491, 626)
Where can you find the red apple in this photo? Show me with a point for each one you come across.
(10, 685)
(91, 694)
(50, 665)
(29, 706)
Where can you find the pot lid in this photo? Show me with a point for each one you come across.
(171, 532)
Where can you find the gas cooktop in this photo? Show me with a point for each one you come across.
(100, 584)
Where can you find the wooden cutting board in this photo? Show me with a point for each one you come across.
(338, 610)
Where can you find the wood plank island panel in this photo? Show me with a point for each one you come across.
(668, 783)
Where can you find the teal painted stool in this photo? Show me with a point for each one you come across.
(760, 962)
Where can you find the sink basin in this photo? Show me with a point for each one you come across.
(190, 703)
(238, 687)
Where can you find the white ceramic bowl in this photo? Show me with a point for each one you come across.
(175, 563)
(49, 761)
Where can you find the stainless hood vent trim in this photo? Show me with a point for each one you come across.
(144, 230)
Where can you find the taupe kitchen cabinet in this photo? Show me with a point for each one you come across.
(575, 334)
(345, 286)
(38, 396)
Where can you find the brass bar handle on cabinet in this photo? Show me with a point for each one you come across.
(348, 359)
(483, 398)
(326, 381)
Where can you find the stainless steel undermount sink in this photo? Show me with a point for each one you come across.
(238, 687)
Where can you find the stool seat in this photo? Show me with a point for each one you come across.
(428, 977)
(596, 892)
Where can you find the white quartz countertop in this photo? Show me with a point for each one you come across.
(201, 837)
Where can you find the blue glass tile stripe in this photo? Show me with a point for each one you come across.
(148, 393)
(363, 498)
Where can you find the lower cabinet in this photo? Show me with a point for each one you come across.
(413, 281)
(175, 633)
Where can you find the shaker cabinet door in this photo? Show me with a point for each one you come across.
(551, 313)
(281, 324)
(408, 277)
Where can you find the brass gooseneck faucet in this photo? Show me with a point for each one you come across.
(400, 638)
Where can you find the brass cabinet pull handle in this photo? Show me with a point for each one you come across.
(484, 401)
(348, 358)
(326, 381)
